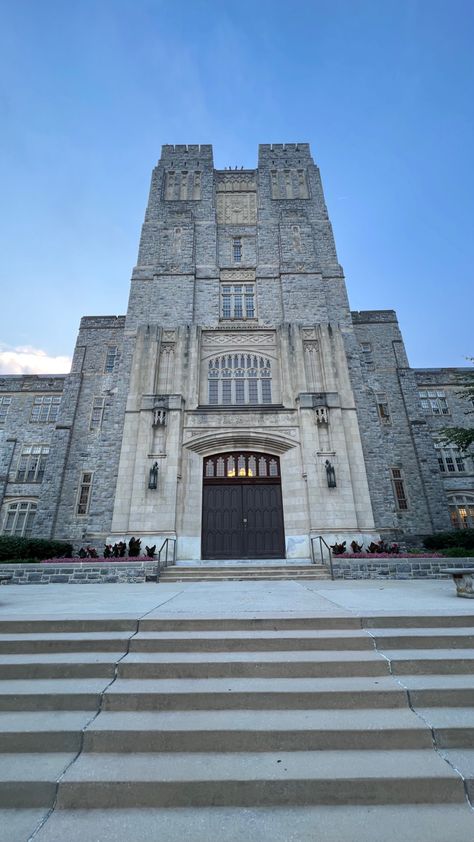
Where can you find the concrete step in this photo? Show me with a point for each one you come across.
(30, 780)
(42, 731)
(268, 577)
(58, 665)
(253, 730)
(52, 694)
(326, 621)
(65, 642)
(436, 661)
(256, 779)
(410, 823)
(88, 626)
(461, 638)
(254, 693)
(250, 641)
(260, 664)
(452, 727)
(439, 690)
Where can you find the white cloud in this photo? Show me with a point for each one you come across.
(24, 359)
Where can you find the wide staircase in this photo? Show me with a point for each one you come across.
(258, 570)
(339, 729)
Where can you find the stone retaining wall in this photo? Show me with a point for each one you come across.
(79, 572)
(402, 568)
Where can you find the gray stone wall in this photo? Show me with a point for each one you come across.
(79, 573)
(18, 430)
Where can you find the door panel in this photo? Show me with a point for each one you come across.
(222, 521)
(263, 532)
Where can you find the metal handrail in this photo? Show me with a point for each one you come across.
(329, 553)
(164, 545)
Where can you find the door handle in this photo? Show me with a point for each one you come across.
(244, 520)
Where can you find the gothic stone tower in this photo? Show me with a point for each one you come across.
(235, 363)
(239, 386)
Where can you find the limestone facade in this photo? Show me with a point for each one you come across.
(238, 337)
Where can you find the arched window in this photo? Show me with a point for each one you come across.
(19, 518)
(461, 510)
(237, 379)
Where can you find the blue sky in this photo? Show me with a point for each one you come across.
(89, 90)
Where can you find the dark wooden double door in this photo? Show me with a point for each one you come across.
(242, 519)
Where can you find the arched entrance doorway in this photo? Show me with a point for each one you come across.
(242, 512)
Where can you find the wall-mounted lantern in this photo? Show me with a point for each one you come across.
(330, 474)
(153, 477)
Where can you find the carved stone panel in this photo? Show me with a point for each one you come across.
(237, 208)
(251, 338)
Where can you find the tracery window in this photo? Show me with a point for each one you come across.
(243, 465)
(239, 379)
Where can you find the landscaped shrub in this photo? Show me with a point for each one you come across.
(456, 538)
(458, 552)
(29, 549)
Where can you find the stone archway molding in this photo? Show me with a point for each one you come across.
(217, 442)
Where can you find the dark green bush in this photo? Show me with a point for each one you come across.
(456, 538)
(458, 552)
(32, 548)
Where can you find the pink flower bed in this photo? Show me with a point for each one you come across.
(393, 556)
(99, 560)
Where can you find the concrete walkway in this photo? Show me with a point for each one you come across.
(232, 599)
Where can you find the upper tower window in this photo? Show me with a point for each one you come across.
(238, 301)
(237, 249)
(110, 358)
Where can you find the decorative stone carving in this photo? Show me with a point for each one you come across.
(321, 414)
(236, 208)
(169, 335)
(238, 339)
(235, 182)
(236, 275)
(159, 417)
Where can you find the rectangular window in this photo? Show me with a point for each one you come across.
(45, 408)
(367, 353)
(5, 403)
(266, 391)
(214, 392)
(84, 495)
(110, 358)
(399, 489)
(97, 413)
(383, 409)
(31, 464)
(434, 401)
(450, 460)
(237, 249)
(238, 301)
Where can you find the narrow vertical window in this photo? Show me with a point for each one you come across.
(237, 249)
(84, 495)
(399, 489)
(170, 185)
(110, 358)
(97, 413)
(5, 403)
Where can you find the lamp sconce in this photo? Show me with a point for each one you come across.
(330, 474)
(153, 477)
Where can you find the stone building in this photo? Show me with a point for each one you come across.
(239, 406)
